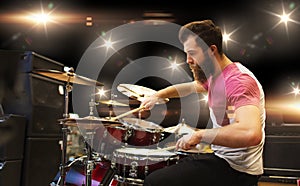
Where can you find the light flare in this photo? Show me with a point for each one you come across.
(227, 36)
(284, 18)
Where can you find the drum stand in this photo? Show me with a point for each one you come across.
(65, 130)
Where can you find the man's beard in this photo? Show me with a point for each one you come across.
(206, 70)
(198, 73)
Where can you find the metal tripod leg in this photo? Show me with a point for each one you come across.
(109, 175)
(89, 166)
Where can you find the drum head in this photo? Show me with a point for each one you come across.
(142, 124)
(143, 152)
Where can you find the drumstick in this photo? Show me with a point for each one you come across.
(127, 113)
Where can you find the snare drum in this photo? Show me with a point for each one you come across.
(132, 131)
(141, 132)
(132, 165)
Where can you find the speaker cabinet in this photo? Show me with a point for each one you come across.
(27, 61)
(12, 137)
(40, 99)
(41, 162)
(10, 173)
(281, 158)
(37, 97)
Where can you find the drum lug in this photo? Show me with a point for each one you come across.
(113, 163)
(133, 170)
(146, 170)
(128, 134)
(154, 139)
(161, 137)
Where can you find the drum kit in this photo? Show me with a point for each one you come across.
(114, 139)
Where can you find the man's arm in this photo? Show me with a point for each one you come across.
(244, 132)
(173, 91)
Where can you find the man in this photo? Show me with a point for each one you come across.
(236, 104)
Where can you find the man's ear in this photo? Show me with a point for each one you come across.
(213, 49)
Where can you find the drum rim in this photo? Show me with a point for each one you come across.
(156, 128)
(133, 155)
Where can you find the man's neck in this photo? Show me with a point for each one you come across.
(224, 62)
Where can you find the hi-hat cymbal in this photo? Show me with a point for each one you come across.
(138, 92)
(67, 77)
(180, 129)
(113, 102)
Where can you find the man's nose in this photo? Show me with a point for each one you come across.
(189, 60)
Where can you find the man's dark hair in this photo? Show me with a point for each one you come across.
(205, 30)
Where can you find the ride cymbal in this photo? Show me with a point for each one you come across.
(138, 92)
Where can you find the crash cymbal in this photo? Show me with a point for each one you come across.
(89, 122)
(138, 92)
(113, 102)
(67, 77)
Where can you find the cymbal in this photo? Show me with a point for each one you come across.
(180, 129)
(89, 122)
(138, 92)
(113, 102)
(67, 77)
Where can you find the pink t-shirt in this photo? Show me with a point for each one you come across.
(230, 90)
(236, 86)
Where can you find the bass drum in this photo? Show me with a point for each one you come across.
(76, 174)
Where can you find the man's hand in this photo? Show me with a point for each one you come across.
(149, 102)
(188, 141)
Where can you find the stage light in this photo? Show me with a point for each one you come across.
(108, 44)
(89, 21)
(284, 18)
(227, 36)
(174, 65)
(101, 92)
(40, 18)
(296, 91)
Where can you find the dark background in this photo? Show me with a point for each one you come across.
(270, 51)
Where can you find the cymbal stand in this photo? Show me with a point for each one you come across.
(92, 104)
(65, 131)
(89, 161)
(110, 106)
